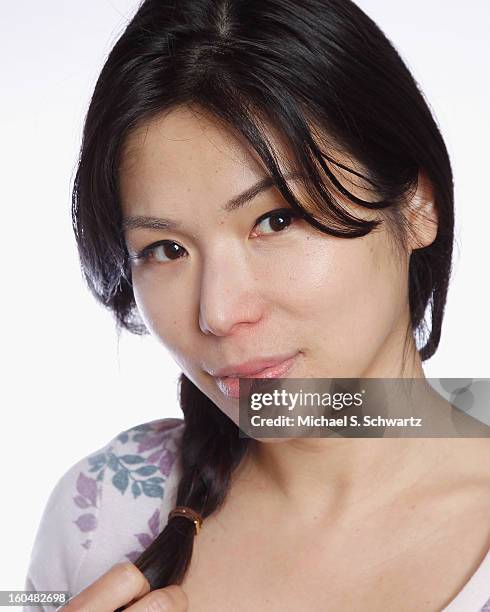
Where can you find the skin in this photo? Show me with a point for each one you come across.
(234, 297)
(243, 290)
(124, 584)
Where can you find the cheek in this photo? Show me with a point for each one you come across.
(348, 295)
(164, 312)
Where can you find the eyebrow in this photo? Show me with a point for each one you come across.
(160, 223)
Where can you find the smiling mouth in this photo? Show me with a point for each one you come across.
(230, 385)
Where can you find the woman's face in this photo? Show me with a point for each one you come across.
(223, 288)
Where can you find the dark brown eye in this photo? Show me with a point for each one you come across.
(167, 249)
(162, 251)
(278, 220)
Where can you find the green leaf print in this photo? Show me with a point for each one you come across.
(151, 490)
(132, 459)
(136, 489)
(113, 462)
(121, 480)
(146, 470)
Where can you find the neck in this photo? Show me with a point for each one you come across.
(343, 475)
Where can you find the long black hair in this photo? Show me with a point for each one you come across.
(323, 75)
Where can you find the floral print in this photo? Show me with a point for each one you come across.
(86, 498)
(137, 463)
(145, 539)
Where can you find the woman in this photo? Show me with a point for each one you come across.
(260, 183)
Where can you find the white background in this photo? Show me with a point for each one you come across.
(68, 388)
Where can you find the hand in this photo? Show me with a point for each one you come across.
(125, 585)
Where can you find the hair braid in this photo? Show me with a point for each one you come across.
(211, 449)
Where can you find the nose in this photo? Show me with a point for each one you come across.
(230, 295)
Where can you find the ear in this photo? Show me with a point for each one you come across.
(422, 214)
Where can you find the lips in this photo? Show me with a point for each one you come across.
(253, 366)
(230, 385)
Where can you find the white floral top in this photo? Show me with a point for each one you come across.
(109, 506)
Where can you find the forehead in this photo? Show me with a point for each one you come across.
(187, 153)
(182, 148)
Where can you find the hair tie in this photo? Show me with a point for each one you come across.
(189, 513)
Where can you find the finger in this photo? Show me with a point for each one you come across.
(121, 584)
(169, 599)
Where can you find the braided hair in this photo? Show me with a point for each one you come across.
(210, 450)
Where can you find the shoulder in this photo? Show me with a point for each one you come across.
(107, 507)
(138, 460)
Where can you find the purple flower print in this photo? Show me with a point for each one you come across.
(86, 522)
(149, 442)
(164, 458)
(87, 489)
(86, 498)
(154, 522)
(145, 539)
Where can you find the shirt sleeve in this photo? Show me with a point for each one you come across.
(106, 508)
(64, 535)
